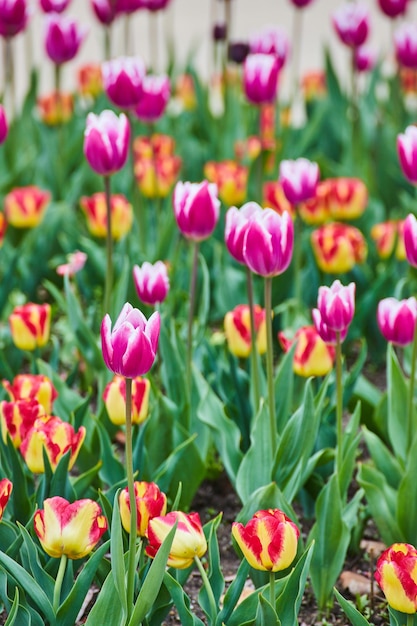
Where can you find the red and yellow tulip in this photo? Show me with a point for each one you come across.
(25, 206)
(313, 85)
(156, 166)
(18, 417)
(338, 247)
(347, 198)
(150, 502)
(56, 108)
(189, 540)
(312, 356)
(3, 227)
(389, 239)
(396, 574)
(114, 397)
(90, 81)
(6, 488)
(94, 208)
(30, 325)
(231, 180)
(316, 211)
(237, 330)
(32, 386)
(274, 198)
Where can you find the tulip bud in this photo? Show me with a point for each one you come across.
(76, 262)
(396, 574)
(299, 179)
(347, 198)
(18, 417)
(338, 248)
(156, 92)
(364, 58)
(238, 51)
(238, 333)
(26, 206)
(151, 282)
(312, 356)
(56, 108)
(271, 40)
(150, 502)
(114, 397)
(327, 334)
(104, 10)
(275, 198)
(94, 208)
(14, 15)
(300, 4)
(6, 487)
(393, 8)
(189, 540)
(268, 243)
(336, 305)
(351, 22)
(30, 325)
(268, 541)
(4, 126)
(70, 529)
(237, 221)
(196, 209)
(405, 42)
(397, 320)
(231, 180)
(156, 5)
(63, 38)
(129, 6)
(122, 80)
(130, 348)
(260, 78)
(407, 153)
(410, 239)
(106, 142)
(32, 386)
(53, 6)
(389, 236)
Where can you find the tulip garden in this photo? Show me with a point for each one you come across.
(201, 294)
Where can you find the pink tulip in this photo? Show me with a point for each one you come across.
(156, 91)
(268, 243)
(106, 142)
(14, 15)
(104, 10)
(151, 282)
(53, 6)
(407, 153)
(271, 40)
(260, 78)
(397, 320)
(122, 80)
(76, 262)
(364, 58)
(405, 41)
(299, 4)
(393, 8)
(336, 305)
(351, 22)
(156, 5)
(63, 37)
(237, 221)
(299, 179)
(4, 126)
(196, 209)
(410, 239)
(328, 335)
(130, 348)
(129, 6)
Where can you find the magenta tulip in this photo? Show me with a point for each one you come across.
(106, 142)
(407, 153)
(156, 91)
(63, 37)
(237, 221)
(397, 320)
(393, 8)
(364, 58)
(268, 244)
(336, 305)
(130, 348)
(53, 6)
(104, 10)
(151, 282)
(405, 41)
(156, 5)
(129, 6)
(271, 40)
(410, 239)
(260, 78)
(299, 179)
(4, 126)
(122, 80)
(300, 4)
(14, 15)
(328, 335)
(351, 22)
(196, 209)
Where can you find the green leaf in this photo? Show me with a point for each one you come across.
(233, 593)
(397, 390)
(284, 379)
(214, 573)
(36, 569)
(204, 296)
(294, 589)
(407, 498)
(117, 554)
(181, 601)
(14, 609)
(356, 618)
(172, 367)
(107, 608)
(266, 614)
(384, 460)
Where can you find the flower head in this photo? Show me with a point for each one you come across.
(397, 320)
(94, 208)
(26, 206)
(351, 22)
(338, 247)
(271, 40)
(106, 141)
(6, 487)
(268, 243)
(196, 209)
(151, 282)
(18, 417)
(122, 80)
(396, 574)
(156, 92)
(14, 15)
(237, 222)
(299, 179)
(32, 386)
(150, 502)
(114, 397)
(336, 305)
(63, 37)
(260, 78)
(189, 540)
(312, 356)
(30, 325)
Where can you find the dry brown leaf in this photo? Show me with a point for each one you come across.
(355, 583)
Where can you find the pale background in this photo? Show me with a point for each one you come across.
(189, 24)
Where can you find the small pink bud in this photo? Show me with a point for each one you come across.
(106, 142)
(151, 282)
(196, 209)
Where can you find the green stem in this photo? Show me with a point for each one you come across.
(58, 582)
(410, 619)
(209, 590)
(107, 43)
(193, 286)
(270, 362)
(109, 248)
(272, 588)
(253, 353)
(410, 423)
(339, 404)
(131, 567)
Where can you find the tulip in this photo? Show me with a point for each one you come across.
(196, 209)
(364, 58)
(76, 262)
(268, 243)
(130, 348)
(4, 126)
(151, 282)
(351, 22)
(389, 237)
(30, 325)
(231, 180)
(156, 92)
(53, 6)
(328, 335)
(397, 320)
(300, 4)
(63, 38)
(32, 386)
(51, 435)
(156, 167)
(338, 247)
(185, 91)
(410, 239)
(408, 81)
(150, 502)
(90, 80)
(347, 198)
(104, 10)
(268, 541)
(393, 8)
(18, 417)
(407, 153)
(260, 78)
(238, 331)
(3, 228)
(14, 15)
(94, 208)
(129, 6)
(189, 540)
(106, 142)
(122, 79)
(70, 529)
(271, 40)
(314, 85)
(156, 5)
(237, 222)
(114, 397)
(56, 108)
(405, 42)
(337, 305)
(6, 487)
(316, 211)
(396, 574)
(25, 206)
(275, 198)
(299, 179)
(312, 356)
